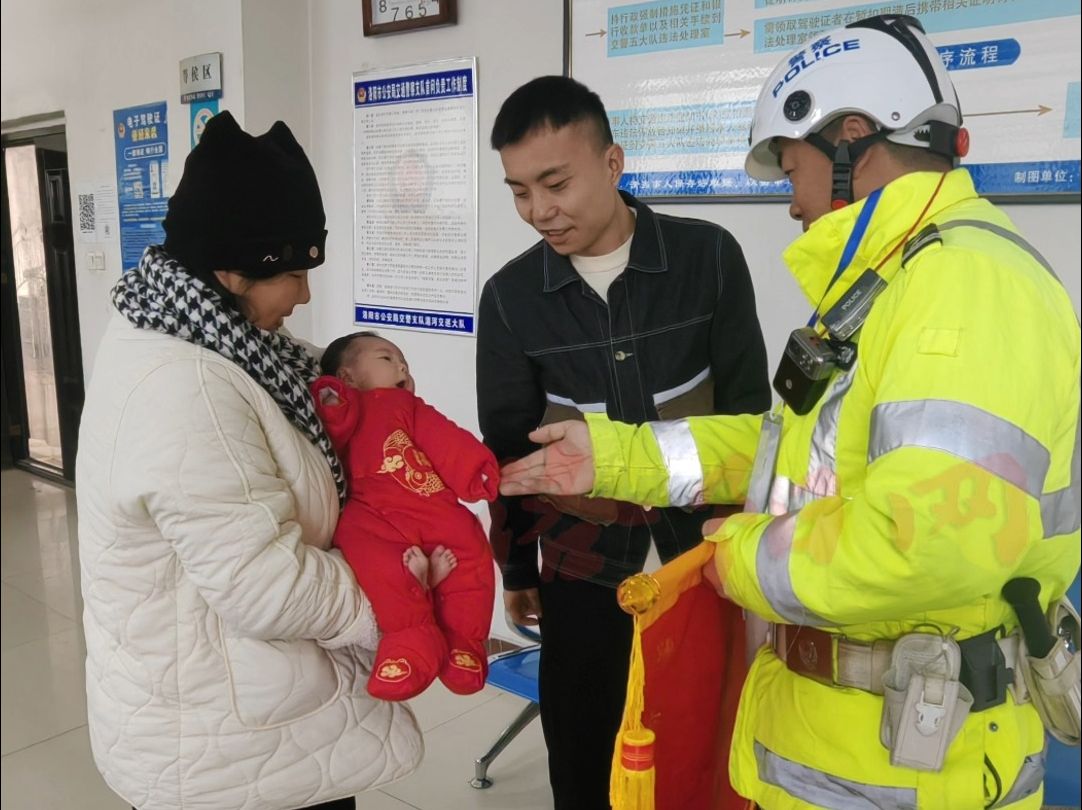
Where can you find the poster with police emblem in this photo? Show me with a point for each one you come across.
(415, 196)
(680, 79)
(141, 138)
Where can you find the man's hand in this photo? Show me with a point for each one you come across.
(563, 466)
(713, 526)
(524, 606)
(710, 574)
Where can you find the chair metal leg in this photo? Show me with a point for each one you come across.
(480, 766)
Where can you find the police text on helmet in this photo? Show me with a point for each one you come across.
(820, 49)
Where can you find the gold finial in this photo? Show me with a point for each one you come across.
(638, 593)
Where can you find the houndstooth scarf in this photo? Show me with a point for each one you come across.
(162, 296)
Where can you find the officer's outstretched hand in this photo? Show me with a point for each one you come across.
(563, 466)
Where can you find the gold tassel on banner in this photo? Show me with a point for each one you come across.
(631, 782)
(636, 772)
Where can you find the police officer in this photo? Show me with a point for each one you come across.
(925, 452)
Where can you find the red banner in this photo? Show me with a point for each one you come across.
(693, 667)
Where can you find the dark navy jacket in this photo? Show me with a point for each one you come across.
(678, 336)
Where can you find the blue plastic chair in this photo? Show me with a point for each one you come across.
(1062, 786)
(514, 672)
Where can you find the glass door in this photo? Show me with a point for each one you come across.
(24, 195)
(39, 306)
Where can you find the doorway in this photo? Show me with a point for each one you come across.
(42, 350)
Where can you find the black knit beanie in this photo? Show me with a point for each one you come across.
(246, 203)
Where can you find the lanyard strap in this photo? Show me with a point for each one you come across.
(851, 246)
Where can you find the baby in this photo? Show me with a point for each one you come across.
(419, 555)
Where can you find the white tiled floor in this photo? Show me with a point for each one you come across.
(46, 752)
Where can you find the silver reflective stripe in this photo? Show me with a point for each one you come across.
(1010, 236)
(662, 397)
(1060, 510)
(825, 436)
(766, 460)
(589, 407)
(965, 431)
(681, 458)
(827, 790)
(1029, 779)
(772, 569)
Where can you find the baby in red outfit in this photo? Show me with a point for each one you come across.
(421, 557)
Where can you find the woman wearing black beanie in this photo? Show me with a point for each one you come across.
(227, 646)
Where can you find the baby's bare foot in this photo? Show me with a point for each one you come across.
(415, 560)
(441, 563)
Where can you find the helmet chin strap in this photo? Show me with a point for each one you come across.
(843, 156)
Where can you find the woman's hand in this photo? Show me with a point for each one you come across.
(563, 466)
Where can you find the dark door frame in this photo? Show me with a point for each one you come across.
(58, 236)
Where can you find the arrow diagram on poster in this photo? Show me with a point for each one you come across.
(741, 33)
(599, 33)
(1040, 109)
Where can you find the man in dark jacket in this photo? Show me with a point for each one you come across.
(621, 310)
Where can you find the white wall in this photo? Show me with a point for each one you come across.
(86, 59)
(275, 45)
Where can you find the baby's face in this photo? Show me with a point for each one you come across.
(375, 363)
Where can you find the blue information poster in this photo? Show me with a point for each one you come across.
(142, 157)
(679, 79)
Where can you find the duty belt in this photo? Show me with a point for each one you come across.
(988, 663)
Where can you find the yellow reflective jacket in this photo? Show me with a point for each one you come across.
(942, 464)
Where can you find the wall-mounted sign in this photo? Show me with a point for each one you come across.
(415, 196)
(679, 81)
(201, 112)
(141, 135)
(201, 77)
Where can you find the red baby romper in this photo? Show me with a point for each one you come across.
(408, 465)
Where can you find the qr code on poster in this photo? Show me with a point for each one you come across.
(87, 214)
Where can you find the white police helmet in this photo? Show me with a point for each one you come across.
(882, 67)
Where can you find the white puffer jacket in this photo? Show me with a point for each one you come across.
(227, 649)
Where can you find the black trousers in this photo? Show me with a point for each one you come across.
(349, 803)
(582, 682)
